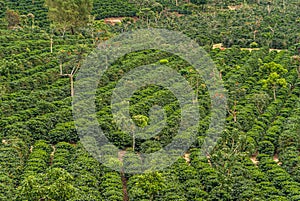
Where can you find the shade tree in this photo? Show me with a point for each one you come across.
(275, 77)
(68, 15)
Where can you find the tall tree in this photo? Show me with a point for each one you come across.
(67, 15)
(275, 72)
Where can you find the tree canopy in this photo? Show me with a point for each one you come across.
(70, 14)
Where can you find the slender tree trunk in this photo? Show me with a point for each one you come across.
(51, 45)
(133, 141)
(234, 113)
(234, 116)
(64, 31)
(254, 35)
(269, 9)
(60, 68)
(72, 84)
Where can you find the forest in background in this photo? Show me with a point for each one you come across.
(255, 45)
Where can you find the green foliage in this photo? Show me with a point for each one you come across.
(151, 183)
(261, 100)
(163, 61)
(106, 8)
(140, 120)
(266, 147)
(111, 187)
(63, 132)
(68, 15)
(253, 45)
(41, 155)
(55, 184)
(275, 73)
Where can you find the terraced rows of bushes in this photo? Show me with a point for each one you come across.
(257, 157)
(36, 105)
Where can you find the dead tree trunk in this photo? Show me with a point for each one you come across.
(71, 77)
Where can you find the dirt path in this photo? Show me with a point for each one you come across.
(115, 20)
(235, 7)
(255, 161)
(124, 182)
(121, 154)
(220, 46)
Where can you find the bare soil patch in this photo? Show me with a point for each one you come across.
(115, 20)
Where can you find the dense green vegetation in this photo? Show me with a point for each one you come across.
(257, 157)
